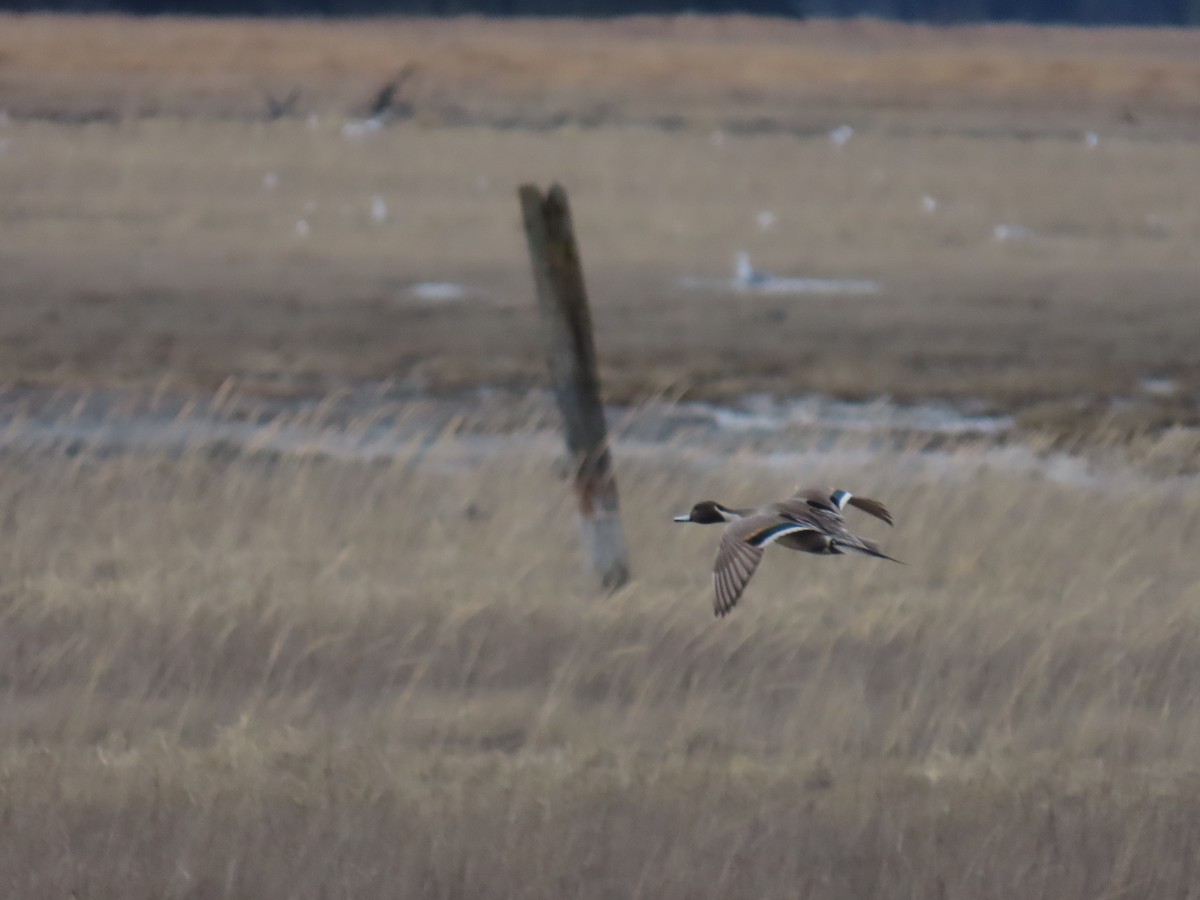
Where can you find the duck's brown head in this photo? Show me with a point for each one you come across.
(708, 512)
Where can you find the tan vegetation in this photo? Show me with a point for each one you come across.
(274, 674)
(284, 677)
(150, 245)
(152, 250)
(688, 67)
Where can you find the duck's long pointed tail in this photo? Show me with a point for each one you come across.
(868, 548)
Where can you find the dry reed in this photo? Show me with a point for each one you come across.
(240, 674)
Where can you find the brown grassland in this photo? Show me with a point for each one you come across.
(144, 246)
(262, 674)
(271, 676)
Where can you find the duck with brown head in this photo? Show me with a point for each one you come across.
(710, 512)
(810, 521)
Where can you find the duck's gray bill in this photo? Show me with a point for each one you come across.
(686, 518)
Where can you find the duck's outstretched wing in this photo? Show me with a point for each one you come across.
(831, 500)
(741, 550)
(871, 508)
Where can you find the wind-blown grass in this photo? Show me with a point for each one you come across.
(264, 675)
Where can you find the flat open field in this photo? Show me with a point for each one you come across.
(293, 607)
(685, 68)
(176, 235)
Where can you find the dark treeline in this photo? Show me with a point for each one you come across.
(1082, 12)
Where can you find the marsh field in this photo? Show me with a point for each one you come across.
(291, 598)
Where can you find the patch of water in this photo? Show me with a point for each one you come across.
(747, 279)
(776, 286)
(1158, 386)
(757, 413)
(437, 291)
(930, 442)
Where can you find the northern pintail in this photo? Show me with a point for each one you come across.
(810, 520)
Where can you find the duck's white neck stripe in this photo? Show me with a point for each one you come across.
(727, 514)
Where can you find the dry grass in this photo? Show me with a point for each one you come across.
(238, 675)
(690, 68)
(152, 250)
(277, 677)
(147, 248)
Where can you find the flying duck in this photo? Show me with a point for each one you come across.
(810, 520)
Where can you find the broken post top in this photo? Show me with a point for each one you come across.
(567, 328)
(566, 318)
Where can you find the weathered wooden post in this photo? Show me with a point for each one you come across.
(567, 325)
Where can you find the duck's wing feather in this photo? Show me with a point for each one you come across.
(817, 498)
(741, 550)
(871, 508)
(834, 501)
